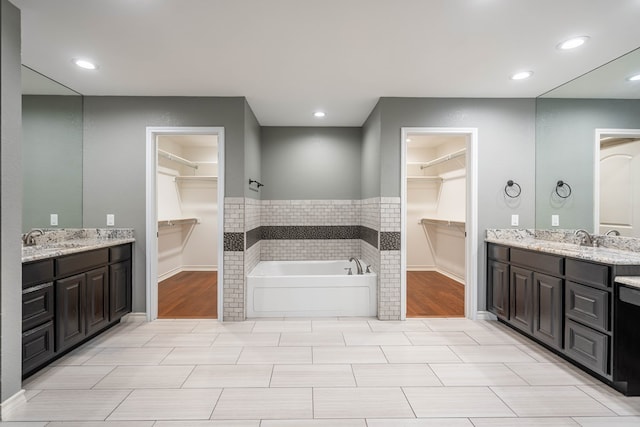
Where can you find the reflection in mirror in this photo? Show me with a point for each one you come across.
(567, 119)
(618, 176)
(51, 153)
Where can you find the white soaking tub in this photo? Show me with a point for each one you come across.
(310, 289)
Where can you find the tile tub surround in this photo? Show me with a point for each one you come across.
(65, 241)
(563, 242)
(328, 372)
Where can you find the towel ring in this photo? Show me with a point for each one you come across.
(512, 184)
(562, 184)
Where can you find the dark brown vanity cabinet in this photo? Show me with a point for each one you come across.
(530, 291)
(561, 302)
(71, 298)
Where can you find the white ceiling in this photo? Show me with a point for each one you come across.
(291, 57)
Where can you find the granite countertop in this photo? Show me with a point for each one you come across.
(633, 281)
(596, 254)
(55, 243)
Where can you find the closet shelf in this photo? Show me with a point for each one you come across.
(196, 178)
(424, 178)
(443, 159)
(436, 221)
(177, 221)
(177, 159)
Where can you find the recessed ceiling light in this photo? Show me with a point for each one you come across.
(573, 43)
(319, 114)
(83, 63)
(634, 78)
(522, 75)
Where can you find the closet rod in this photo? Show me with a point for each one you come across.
(177, 159)
(443, 159)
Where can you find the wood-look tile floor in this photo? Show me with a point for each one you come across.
(432, 294)
(189, 295)
(321, 372)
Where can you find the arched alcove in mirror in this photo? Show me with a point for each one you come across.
(571, 120)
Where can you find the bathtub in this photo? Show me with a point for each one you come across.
(310, 289)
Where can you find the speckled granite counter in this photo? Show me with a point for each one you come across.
(545, 241)
(58, 242)
(633, 281)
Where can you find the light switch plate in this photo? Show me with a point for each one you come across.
(54, 219)
(555, 220)
(515, 220)
(111, 219)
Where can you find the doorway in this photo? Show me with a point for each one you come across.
(185, 190)
(439, 216)
(617, 182)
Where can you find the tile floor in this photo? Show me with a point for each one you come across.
(315, 373)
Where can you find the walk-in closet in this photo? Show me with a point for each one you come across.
(187, 212)
(435, 224)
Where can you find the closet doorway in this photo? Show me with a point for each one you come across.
(435, 202)
(184, 259)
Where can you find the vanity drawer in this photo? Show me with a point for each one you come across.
(589, 347)
(120, 253)
(537, 261)
(588, 273)
(37, 305)
(37, 272)
(497, 252)
(587, 305)
(37, 347)
(76, 263)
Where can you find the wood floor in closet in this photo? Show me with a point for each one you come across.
(189, 295)
(431, 294)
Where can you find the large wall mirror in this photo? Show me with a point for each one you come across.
(586, 136)
(51, 153)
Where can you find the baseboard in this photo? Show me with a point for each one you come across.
(485, 315)
(421, 268)
(134, 317)
(15, 400)
(183, 268)
(437, 270)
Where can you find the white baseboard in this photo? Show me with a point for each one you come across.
(180, 269)
(421, 268)
(134, 317)
(6, 407)
(485, 315)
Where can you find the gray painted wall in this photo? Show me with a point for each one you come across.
(304, 163)
(565, 149)
(252, 152)
(10, 202)
(506, 147)
(52, 160)
(371, 155)
(115, 154)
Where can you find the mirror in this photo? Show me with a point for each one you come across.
(51, 153)
(569, 122)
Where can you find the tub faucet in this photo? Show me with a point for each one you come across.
(358, 265)
(29, 239)
(586, 238)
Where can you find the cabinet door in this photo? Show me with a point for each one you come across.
(547, 309)
(70, 318)
(120, 287)
(498, 284)
(37, 347)
(97, 300)
(521, 299)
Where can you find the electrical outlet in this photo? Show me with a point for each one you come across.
(555, 220)
(54, 219)
(515, 220)
(111, 219)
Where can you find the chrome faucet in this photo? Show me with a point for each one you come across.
(586, 237)
(29, 238)
(612, 232)
(358, 265)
